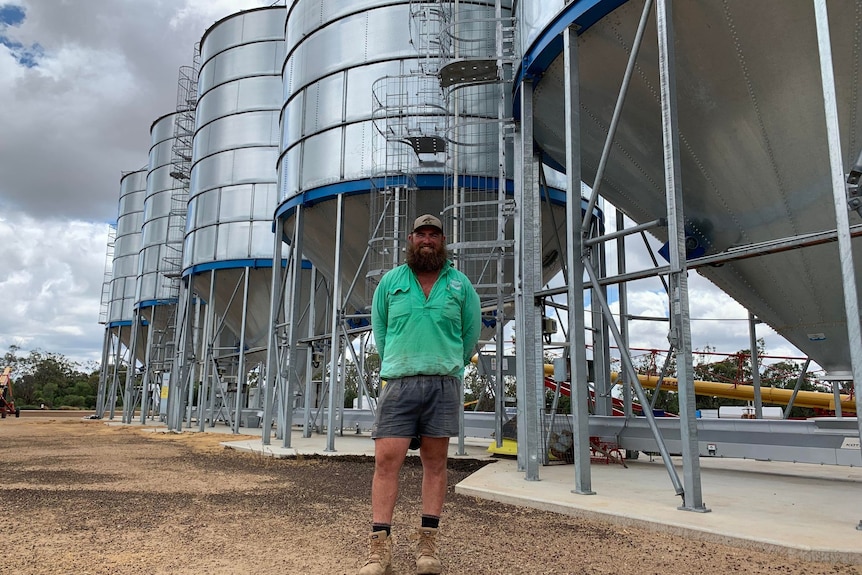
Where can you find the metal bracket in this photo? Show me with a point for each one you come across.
(854, 187)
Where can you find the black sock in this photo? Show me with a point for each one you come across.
(431, 521)
(381, 527)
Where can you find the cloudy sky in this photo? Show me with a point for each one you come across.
(718, 323)
(81, 81)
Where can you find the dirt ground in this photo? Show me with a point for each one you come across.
(82, 497)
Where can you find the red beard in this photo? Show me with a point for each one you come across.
(425, 261)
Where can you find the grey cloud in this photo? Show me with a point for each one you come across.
(68, 133)
(70, 126)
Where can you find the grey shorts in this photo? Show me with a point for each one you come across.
(428, 405)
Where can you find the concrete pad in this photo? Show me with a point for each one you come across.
(345, 445)
(808, 511)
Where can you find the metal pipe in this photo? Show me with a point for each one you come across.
(680, 334)
(203, 393)
(612, 129)
(209, 359)
(145, 378)
(662, 376)
(779, 395)
(275, 304)
(195, 350)
(240, 370)
(336, 337)
(755, 365)
(102, 392)
(577, 355)
(622, 291)
(622, 232)
(115, 380)
(309, 357)
(836, 392)
(796, 388)
(128, 407)
(630, 369)
(527, 321)
(293, 316)
(845, 248)
(602, 404)
(500, 310)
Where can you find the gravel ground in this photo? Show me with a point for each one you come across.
(82, 497)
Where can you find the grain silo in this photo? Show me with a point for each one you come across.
(754, 159)
(730, 140)
(161, 251)
(228, 246)
(123, 284)
(394, 109)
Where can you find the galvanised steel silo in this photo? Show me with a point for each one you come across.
(754, 154)
(158, 205)
(133, 189)
(338, 56)
(121, 315)
(228, 247)
(165, 206)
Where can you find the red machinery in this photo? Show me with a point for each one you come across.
(601, 451)
(7, 401)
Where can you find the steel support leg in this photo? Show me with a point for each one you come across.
(128, 402)
(115, 379)
(680, 334)
(575, 271)
(275, 307)
(528, 343)
(294, 313)
(208, 375)
(309, 358)
(240, 372)
(336, 335)
(102, 392)
(755, 365)
(845, 248)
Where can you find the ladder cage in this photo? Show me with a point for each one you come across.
(409, 118)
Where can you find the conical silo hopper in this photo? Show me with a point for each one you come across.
(335, 56)
(753, 146)
(232, 191)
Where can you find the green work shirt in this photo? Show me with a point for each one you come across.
(419, 336)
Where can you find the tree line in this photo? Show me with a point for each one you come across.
(55, 382)
(51, 380)
(734, 368)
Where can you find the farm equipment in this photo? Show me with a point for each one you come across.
(7, 401)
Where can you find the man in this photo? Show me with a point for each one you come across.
(426, 320)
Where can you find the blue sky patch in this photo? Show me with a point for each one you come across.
(11, 15)
(27, 57)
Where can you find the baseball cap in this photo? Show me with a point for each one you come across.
(427, 220)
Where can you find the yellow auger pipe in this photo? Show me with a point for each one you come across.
(812, 399)
(776, 395)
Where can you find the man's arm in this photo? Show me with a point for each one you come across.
(379, 319)
(471, 322)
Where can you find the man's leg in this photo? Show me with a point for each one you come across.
(435, 454)
(389, 454)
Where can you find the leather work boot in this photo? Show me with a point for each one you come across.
(379, 555)
(427, 562)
